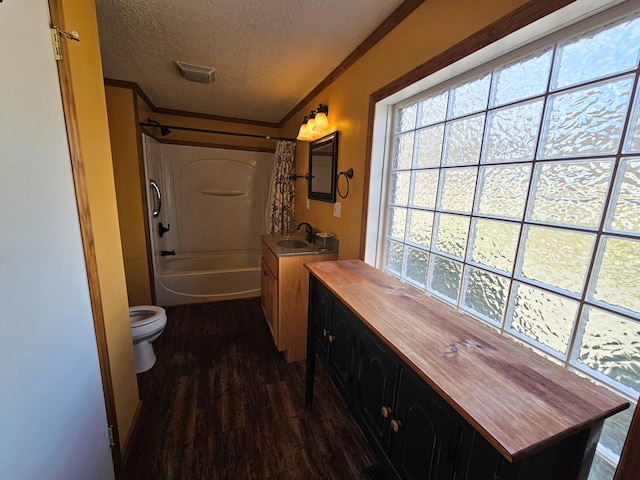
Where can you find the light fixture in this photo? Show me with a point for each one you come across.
(321, 124)
(314, 125)
(304, 134)
(311, 122)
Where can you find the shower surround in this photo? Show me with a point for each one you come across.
(213, 201)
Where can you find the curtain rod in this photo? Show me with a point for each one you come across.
(219, 132)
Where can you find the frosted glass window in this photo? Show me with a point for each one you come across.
(558, 258)
(632, 142)
(425, 188)
(403, 151)
(470, 97)
(523, 79)
(445, 277)
(609, 50)
(393, 257)
(610, 344)
(617, 281)
(420, 227)
(396, 223)
(463, 139)
(626, 214)
(415, 266)
(451, 236)
(485, 294)
(407, 118)
(514, 197)
(513, 133)
(400, 182)
(586, 121)
(433, 109)
(571, 193)
(458, 187)
(543, 317)
(429, 147)
(495, 244)
(503, 191)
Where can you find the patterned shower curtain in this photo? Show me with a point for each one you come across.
(280, 206)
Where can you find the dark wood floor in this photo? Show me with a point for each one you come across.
(222, 403)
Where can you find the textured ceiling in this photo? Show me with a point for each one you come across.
(268, 54)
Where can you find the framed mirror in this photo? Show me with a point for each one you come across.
(323, 167)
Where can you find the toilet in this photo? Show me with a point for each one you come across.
(147, 323)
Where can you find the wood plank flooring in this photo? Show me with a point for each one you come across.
(222, 403)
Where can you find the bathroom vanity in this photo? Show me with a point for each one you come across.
(441, 396)
(285, 287)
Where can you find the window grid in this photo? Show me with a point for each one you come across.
(465, 266)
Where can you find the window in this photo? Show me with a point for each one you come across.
(514, 196)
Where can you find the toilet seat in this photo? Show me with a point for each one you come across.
(142, 315)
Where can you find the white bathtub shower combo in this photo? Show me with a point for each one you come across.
(213, 202)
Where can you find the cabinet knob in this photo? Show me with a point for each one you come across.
(324, 332)
(331, 338)
(265, 273)
(386, 411)
(395, 425)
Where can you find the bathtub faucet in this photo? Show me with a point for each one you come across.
(164, 253)
(308, 230)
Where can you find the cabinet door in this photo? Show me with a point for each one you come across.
(376, 386)
(269, 299)
(320, 316)
(428, 439)
(342, 347)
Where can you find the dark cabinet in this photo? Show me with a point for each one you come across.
(320, 312)
(429, 440)
(341, 352)
(423, 387)
(378, 372)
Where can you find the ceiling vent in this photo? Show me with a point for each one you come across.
(196, 73)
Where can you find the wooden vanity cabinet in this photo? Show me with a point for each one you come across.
(285, 286)
(418, 379)
(269, 298)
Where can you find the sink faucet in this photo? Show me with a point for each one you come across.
(308, 230)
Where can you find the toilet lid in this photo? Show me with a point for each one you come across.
(144, 314)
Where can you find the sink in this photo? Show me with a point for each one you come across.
(292, 243)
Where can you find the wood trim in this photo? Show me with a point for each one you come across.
(367, 176)
(226, 146)
(126, 445)
(521, 17)
(86, 231)
(629, 464)
(219, 145)
(145, 203)
(181, 113)
(397, 16)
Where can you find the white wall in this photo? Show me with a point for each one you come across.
(52, 414)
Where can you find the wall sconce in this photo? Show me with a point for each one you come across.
(314, 125)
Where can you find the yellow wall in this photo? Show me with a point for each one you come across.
(128, 182)
(432, 28)
(86, 76)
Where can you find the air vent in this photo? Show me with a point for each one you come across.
(196, 73)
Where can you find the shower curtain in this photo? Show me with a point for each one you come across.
(280, 207)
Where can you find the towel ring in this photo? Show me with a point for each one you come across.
(347, 175)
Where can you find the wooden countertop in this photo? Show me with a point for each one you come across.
(519, 401)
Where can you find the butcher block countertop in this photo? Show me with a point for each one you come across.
(517, 400)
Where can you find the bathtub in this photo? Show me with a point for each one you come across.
(207, 277)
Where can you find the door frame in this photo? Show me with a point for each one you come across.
(56, 13)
